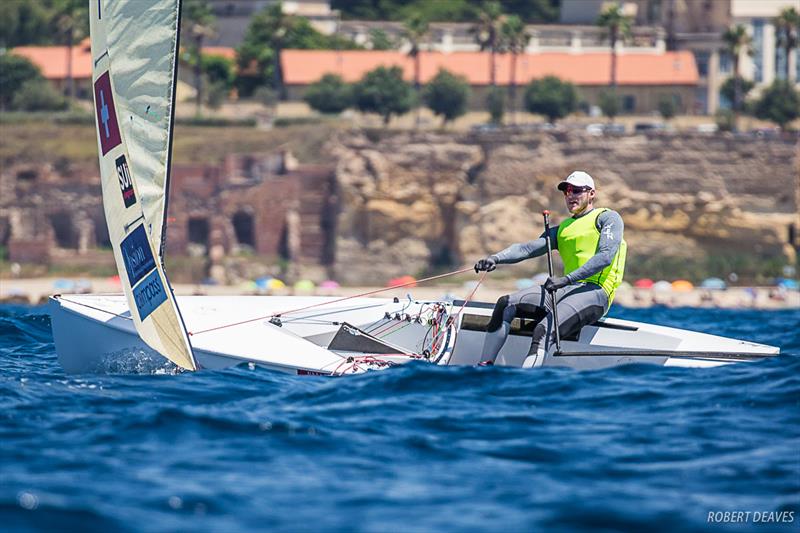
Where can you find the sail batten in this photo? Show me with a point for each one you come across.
(134, 46)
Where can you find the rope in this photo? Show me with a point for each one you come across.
(273, 315)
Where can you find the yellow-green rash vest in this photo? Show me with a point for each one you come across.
(577, 243)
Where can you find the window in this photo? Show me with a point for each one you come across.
(725, 62)
(780, 62)
(244, 228)
(198, 231)
(758, 50)
(63, 230)
(701, 58)
(628, 103)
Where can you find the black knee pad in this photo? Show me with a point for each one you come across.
(497, 314)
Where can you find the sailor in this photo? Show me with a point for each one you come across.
(593, 252)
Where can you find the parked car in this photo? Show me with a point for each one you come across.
(642, 127)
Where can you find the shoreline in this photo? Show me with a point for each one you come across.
(36, 291)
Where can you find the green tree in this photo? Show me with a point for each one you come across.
(270, 31)
(618, 27)
(415, 31)
(219, 70)
(15, 72)
(38, 95)
(197, 22)
(514, 39)
(667, 106)
(329, 95)
(384, 92)
(24, 23)
(486, 32)
(728, 90)
(787, 29)
(379, 40)
(736, 42)
(779, 103)
(551, 97)
(496, 104)
(447, 95)
(609, 104)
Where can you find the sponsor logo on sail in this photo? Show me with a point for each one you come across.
(149, 294)
(125, 181)
(107, 125)
(137, 255)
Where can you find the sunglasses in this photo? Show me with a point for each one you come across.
(575, 190)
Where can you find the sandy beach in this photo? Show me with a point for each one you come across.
(35, 291)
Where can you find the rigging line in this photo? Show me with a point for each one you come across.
(369, 293)
(96, 308)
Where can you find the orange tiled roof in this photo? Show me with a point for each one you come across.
(302, 67)
(224, 51)
(52, 60)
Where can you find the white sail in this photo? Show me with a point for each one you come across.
(133, 104)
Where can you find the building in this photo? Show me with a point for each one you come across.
(250, 202)
(56, 62)
(697, 26)
(643, 78)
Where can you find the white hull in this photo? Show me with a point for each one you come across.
(94, 334)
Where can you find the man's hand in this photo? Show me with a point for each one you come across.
(488, 264)
(554, 283)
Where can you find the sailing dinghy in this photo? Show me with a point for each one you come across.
(135, 53)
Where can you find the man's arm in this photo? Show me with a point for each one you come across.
(526, 250)
(611, 230)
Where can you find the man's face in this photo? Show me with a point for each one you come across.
(578, 199)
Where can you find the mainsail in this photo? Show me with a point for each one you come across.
(134, 48)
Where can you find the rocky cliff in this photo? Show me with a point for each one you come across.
(409, 202)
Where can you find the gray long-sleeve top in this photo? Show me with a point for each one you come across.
(611, 228)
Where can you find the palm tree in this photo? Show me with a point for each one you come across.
(415, 30)
(618, 27)
(736, 41)
(487, 32)
(70, 18)
(199, 21)
(787, 28)
(514, 39)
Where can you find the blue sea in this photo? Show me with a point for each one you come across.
(417, 448)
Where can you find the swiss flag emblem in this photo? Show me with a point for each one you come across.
(107, 124)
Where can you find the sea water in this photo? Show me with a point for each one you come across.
(415, 448)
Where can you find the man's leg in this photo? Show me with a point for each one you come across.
(578, 306)
(504, 312)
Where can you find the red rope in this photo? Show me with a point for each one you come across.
(337, 301)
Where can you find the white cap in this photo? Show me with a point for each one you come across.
(577, 179)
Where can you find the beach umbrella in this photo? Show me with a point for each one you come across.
(682, 285)
(329, 284)
(63, 284)
(275, 283)
(247, 286)
(662, 286)
(304, 285)
(263, 283)
(114, 280)
(644, 283)
(402, 280)
(790, 284)
(624, 285)
(713, 283)
(524, 283)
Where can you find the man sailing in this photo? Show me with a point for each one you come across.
(593, 252)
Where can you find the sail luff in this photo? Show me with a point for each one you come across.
(171, 129)
(125, 161)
